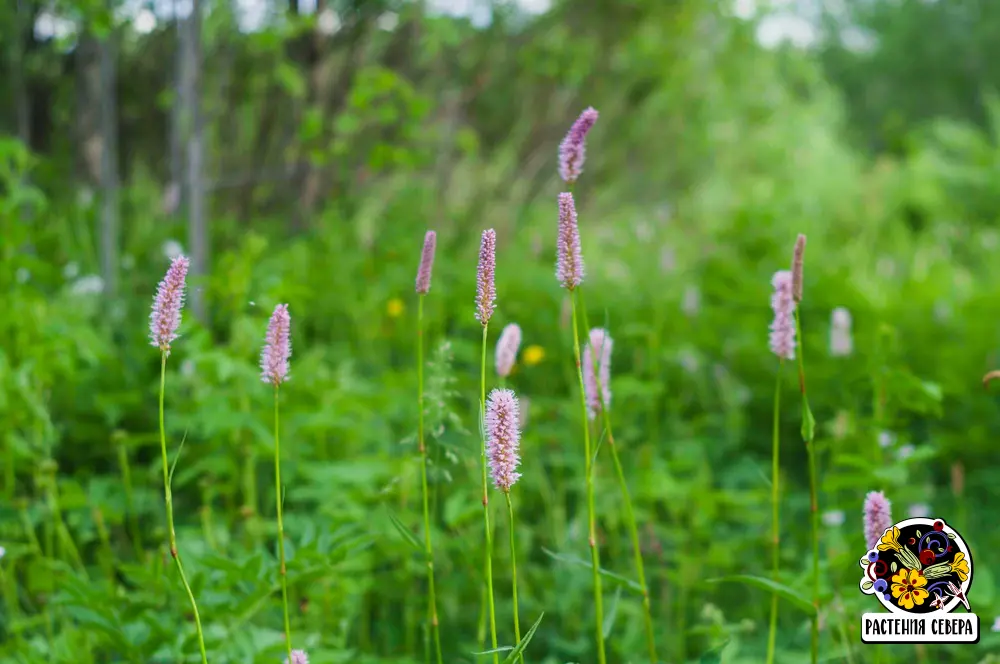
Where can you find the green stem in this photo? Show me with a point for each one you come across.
(10, 476)
(168, 498)
(813, 500)
(595, 555)
(10, 599)
(63, 537)
(486, 500)
(629, 513)
(133, 520)
(428, 545)
(775, 525)
(634, 535)
(281, 528)
(513, 567)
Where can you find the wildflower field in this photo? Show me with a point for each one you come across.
(377, 334)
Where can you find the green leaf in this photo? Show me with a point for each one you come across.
(597, 449)
(494, 650)
(867, 585)
(892, 566)
(512, 657)
(573, 560)
(808, 421)
(713, 656)
(609, 619)
(774, 587)
(173, 466)
(405, 532)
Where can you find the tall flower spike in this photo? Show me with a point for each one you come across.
(572, 150)
(878, 517)
(298, 657)
(486, 290)
(797, 256)
(503, 438)
(783, 328)
(277, 347)
(507, 345)
(600, 343)
(426, 263)
(569, 256)
(165, 317)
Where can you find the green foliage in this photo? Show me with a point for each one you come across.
(329, 158)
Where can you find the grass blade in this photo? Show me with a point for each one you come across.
(493, 650)
(617, 578)
(609, 619)
(512, 657)
(771, 586)
(405, 532)
(713, 656)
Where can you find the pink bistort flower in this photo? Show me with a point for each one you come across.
(165, 317)
(277, 347)
(503, 438)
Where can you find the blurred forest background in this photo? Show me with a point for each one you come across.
(297, 151)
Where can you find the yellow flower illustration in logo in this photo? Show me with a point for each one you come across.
(889, 540)
(960, 566)
(908, 587)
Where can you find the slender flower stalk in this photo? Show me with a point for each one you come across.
(598, 381)
(775, 502)
(808, 436)
(274, 370)
(513, 571)
(570, 273)
(164, 321)
(485, 304)
(782, 343)
(423, 285)
(502, 447)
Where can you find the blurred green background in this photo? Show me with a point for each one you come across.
(298, 151)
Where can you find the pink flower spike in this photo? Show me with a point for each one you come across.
(569, 256)
(782, 340)
(486, 290)
(298, 657)
(507, 346)
(426, 263)
(598, 396)
(572, 150)
(277, 347)
(878, 517)
(165, 317)
(503, 438)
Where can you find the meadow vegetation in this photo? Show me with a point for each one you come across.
(626, 453)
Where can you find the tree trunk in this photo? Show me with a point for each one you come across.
(110, 230)
(198, 237)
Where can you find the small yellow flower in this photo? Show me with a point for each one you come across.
(394, 308)
(908, 588)
(533, 355)
(888, 540)
(960, 566)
